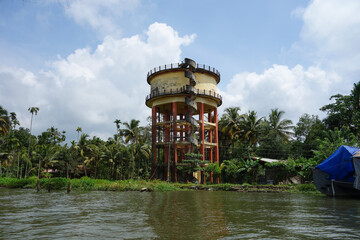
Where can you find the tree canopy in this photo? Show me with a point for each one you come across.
(127, 154)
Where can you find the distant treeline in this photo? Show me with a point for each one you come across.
(127, 155)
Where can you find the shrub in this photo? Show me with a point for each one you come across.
(84, 183)
(17, 183)
(230, 170)
(165, 187)
(213, 168)
(306, 188)
(54, 183)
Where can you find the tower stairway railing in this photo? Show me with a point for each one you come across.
(179, 66)
(183, 90)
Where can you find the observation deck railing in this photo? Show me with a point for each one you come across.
(182, 90)
(178, 66)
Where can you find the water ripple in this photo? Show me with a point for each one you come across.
(25, 214)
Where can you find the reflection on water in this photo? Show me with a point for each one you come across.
(25, 214)
(192, 215)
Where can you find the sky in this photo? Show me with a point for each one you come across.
(84, 62)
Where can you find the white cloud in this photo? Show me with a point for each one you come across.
(20, 90)
(329, 38)
(332, 31)
(295, 90)
(329, 24)
(100, 15)
(93, 88)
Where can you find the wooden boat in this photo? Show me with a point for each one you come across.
(339, 174)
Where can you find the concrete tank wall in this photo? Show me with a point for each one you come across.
(176, 80)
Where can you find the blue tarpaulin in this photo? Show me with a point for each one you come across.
(339, 165)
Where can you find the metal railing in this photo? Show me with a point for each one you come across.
(183, 91)
(178, 65)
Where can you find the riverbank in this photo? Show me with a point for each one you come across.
(89, 184)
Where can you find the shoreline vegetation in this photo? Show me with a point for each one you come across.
(252, 149)
(90, 184)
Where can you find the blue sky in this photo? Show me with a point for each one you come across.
(84, 62)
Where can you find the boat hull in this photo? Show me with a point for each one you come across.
(333, 188)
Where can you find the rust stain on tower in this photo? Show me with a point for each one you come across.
(184, 101)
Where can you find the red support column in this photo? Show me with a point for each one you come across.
(186, 130)
(216, 139)
(167, 139)
(154, 141)
(211, 149)
(182, 138)
(202, 138)
(174, 110)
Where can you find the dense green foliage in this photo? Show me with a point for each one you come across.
(125, 156)
(244, 139)
(89, 184)
(193, 163)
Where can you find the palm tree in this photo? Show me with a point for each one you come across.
(228, 126)
(249, 128)
(278, 127)
(47, 154)
(7, 124)
(13, 146)
(117, 122)
(32, 110)
(22, 156)
(355, 99)
(131, 134)
(117, 136)
(54, 134)
(4, 127)
(97, 148)
(230, 120)
(143, 152)
(83, 148)
(4, 121)
(79, 130)
(14, 120)
(131, 131)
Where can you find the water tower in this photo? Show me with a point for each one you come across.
(184, 100)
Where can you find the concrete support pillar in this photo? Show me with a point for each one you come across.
(153, 118)
(182, 128)
(210, 149)
(202, 138)
(216, 139)
(167, 140)
(174, 110)
(186, 130)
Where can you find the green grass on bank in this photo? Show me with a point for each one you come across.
(86, 184)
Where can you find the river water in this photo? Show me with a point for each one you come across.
(25, 214)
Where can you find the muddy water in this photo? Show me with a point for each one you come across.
(25, 214)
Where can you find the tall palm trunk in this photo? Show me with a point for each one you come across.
(32, 115)
(133, 164)
(21, 169)
(17, 174)
(26, 169)
(139, 166)
(95, 166)
(13, 164)
(67, 170)
(85, 170)
(39, 168)
(7, 169)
